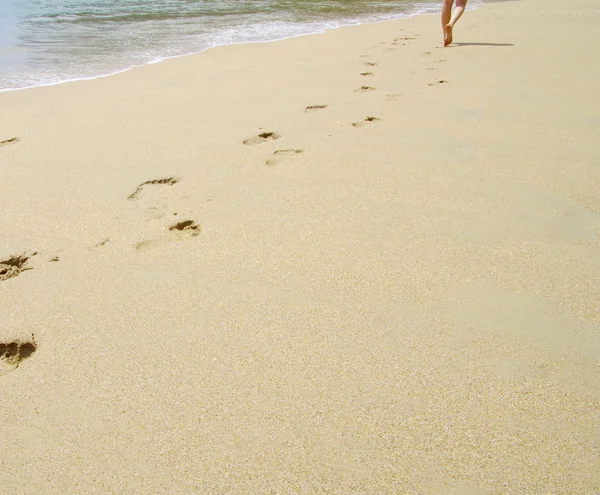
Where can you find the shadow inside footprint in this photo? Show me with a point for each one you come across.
(279, 154)
(6, 142)
(313, 108)
(364, 89)
(438, 81)
(263, 137)
(366, 121)
(169, 181)
(14, 266)
(15, 351)
(188, 226)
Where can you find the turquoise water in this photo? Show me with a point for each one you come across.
(51, 41)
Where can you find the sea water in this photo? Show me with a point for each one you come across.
(46, 42)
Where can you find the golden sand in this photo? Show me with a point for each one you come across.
(393, 286)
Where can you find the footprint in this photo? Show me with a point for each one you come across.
(431, 68)
(261, 138)
(14, 266)
(169, 181)
(367, 74)
(366, 121)
(393, 96)
(101, 243)
(186, 226)
(364, 89)
(438, 81)
(6, 142)
(314, 108)
(279, 154)
(426, 53)
(370, 64)
(12, 352)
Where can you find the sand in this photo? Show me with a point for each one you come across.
(395, 289)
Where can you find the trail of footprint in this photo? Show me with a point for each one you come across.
(364, 89)
(262, 138)
(6, 142)
(278, 155)
(366, 121)
(169, 181)
(438, 81)
(14, 266)
(12, 352)
(314, 108)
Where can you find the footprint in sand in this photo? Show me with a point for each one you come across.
(182, 230)
(370, 64)
(168, 181)
(6, 142)
(187, 227)
(12, 352)
(102, 243)
(366, 121)
(367, 74)
(438, 81)
(262, 138)
(364, 89)
(279, 155)
(314, 108)
(14, 266)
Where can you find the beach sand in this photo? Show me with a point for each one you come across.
(397, 292)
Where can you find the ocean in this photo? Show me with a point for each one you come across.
(45, 42)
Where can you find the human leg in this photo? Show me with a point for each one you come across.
(458, 11)
(446, 17)
(449, 18)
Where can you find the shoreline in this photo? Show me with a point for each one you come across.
(350, 262)
(163, 59)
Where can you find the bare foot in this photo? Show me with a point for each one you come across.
(447, 34)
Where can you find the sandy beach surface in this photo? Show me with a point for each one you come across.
(346, 263)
